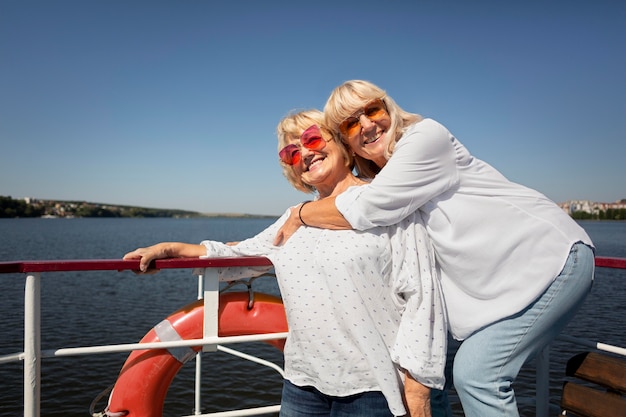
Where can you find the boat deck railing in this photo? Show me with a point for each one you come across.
(208, 289)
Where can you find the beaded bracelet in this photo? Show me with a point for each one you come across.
(300, 213)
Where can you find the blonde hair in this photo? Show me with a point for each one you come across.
(351, 96)
(291, 127)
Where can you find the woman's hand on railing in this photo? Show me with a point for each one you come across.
(146, 256)
(161, 251)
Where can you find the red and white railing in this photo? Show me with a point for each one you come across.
(208, 289)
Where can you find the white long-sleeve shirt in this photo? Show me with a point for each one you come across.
(361, 306)
(499, 244)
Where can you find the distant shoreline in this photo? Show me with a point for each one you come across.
(30, 207)
(198, 216)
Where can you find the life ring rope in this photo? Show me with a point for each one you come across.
(106, 412)
(248, 284)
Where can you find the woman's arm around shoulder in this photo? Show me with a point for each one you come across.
(320, 213)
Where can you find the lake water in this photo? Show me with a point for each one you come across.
(94, 308)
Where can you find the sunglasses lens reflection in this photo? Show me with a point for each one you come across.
(374, 111)
(290, 154)
(314, 143)
(350, 126)
(312, 138)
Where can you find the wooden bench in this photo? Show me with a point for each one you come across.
(602, 395)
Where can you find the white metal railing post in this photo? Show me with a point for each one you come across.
(208, 289)
(542, 395)
(32, 345)
(197, 408)
(211, 295)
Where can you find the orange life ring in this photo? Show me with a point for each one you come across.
(146, 376)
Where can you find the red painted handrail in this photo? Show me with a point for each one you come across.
(607, 262)
(132, 265)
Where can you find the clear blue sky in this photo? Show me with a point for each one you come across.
(174, 104)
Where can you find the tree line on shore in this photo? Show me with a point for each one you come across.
(11, 208)
(608, 214)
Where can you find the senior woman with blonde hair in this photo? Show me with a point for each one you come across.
(357, 304)
(514, 267)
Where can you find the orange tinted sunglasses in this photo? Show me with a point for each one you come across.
(374, 110)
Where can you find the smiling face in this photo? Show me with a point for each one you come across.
(322, 168)
(360, 111)
(370, 123)
(310, 153)
(365, 131)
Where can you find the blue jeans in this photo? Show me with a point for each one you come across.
(308, 401)
(439, 401)
(487, 362)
